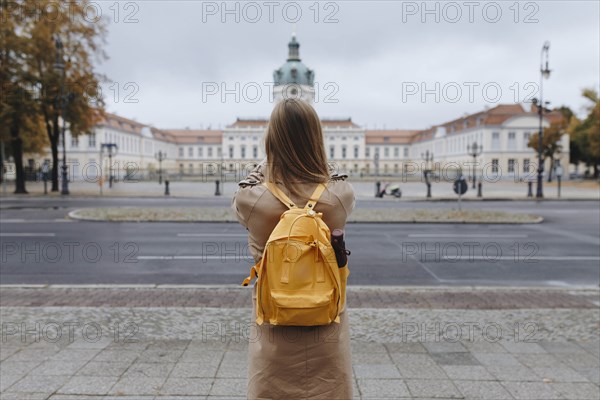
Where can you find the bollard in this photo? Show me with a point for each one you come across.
(479, 189)
(377, 189)
(167, 188)
(529, 186)
(217, 191)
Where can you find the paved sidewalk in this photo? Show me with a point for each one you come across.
(190, 343)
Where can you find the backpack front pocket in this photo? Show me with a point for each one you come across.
(302, 307)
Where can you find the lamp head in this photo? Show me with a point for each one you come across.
(546, 72)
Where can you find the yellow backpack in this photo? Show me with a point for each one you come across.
(299, 282)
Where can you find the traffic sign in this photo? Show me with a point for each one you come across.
(460, 186)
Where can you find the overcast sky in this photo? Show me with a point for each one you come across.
(372, 60)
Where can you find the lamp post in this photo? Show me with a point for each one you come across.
(61, 100)
(474, 151)
(112, 150)
(160, 156)
(427, 158)
(544, 74)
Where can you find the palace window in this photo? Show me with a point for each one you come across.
(230, 151)
(406, 152)
(526, 137)
(190, 152)
(331, 151)
(243, 151)
(512, 140)
(495, 165)
(396, 151)
(255, 151)
(511, 165)
(200, 151)
(343, 151)
(495, 140)
(526, 165)
(181, 152)
(92, 140)
(355, 151)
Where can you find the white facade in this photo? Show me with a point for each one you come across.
(503, 131)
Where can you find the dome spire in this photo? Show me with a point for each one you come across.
(294, 47)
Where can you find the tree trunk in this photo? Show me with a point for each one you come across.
(17, 150)
(52, 130)
(550, 169)
(54, 147)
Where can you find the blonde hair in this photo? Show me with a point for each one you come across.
(294, 145)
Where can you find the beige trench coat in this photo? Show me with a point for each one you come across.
(287, 362)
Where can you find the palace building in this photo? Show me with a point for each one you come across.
(503, 132)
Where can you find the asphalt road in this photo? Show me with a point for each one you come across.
(38, 246)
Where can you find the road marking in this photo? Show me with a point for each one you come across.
(211, 234)
(465, 235)
(34, 221)
(422, 265)
(525, 258)
(229, 257)
(580, 237)
(27, 234)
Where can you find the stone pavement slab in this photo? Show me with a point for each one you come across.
(168, 351)
(396, 372)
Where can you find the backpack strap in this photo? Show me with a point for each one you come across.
(279, 194)
(314, 198)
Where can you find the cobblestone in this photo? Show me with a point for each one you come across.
(358, 297)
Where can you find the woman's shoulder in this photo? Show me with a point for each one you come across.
(339, 186)
(339, 183)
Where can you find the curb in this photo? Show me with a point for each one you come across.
(537, 220)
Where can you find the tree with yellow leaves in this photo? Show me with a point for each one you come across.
(78, 84)
(33, 89)
(551, 139)
(585, 134)
(21, 124)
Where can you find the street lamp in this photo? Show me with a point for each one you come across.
(160, 156)
(544, 74)
(427, 158)
(474, 151)
(61, 100)
(112, 151)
